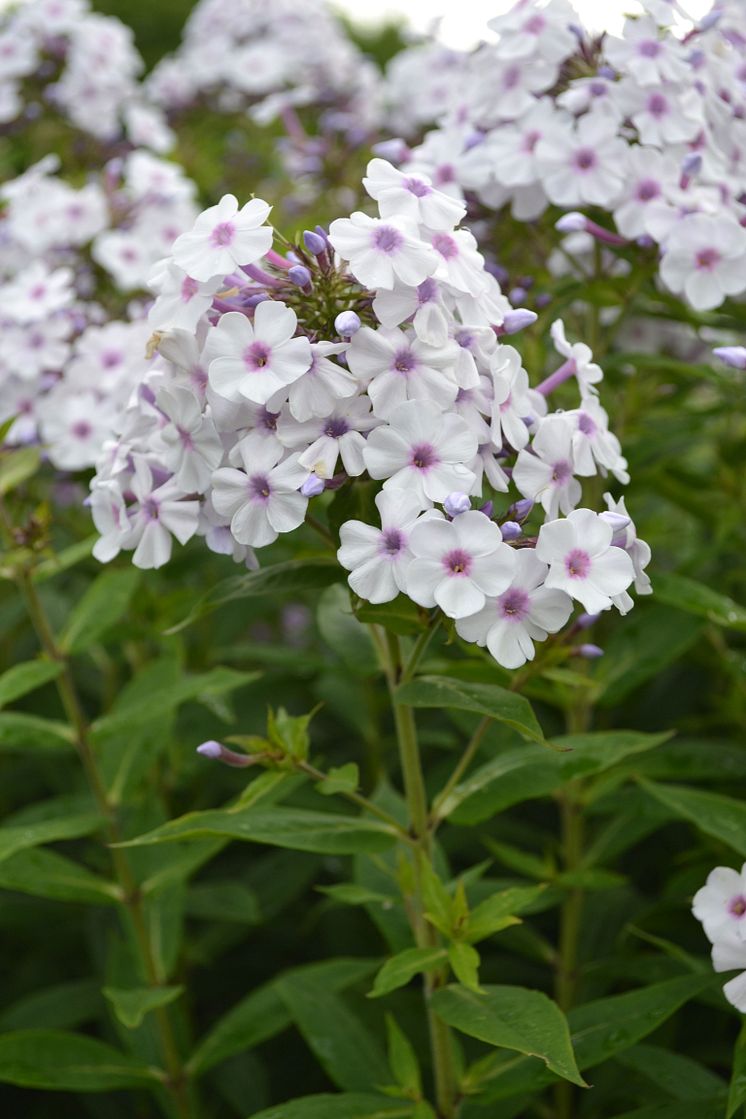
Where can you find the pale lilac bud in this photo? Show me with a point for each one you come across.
(516, 295)
(518, 319)
(255, 300)
(347, 323)
(395, 150)
(312, 486)
(313, 242)
(645, 241)
(487, 508)
(585, 621)
(617, 521)
(573, 222)
(457, 503)
(734, 356)
(510, 530)
(521, 509)
(691, 164)
(591, 652)
(606, 72)
(210, 749)
(710, 19)
(321, 232)
(299, 275)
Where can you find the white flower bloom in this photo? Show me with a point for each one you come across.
(637, 550)
(512, 404)
(181, 301)
(256, 361)
(262, 499)
(411, 196)
(582, 561)
(721, 905)
(377, 559)
(109, 515)
(704, 257)
(37, 347)
(324, 383)
(396, 367)
(526, 612)
(642, 52)
(584, 164)
(73, 427)
(587, 373)
(593, 444)
(423, 304)
(545, 472)
(422, 449)
(328, 438)
(36, 293)
(160, 514)
(382, 251)
(224, 238)
(190, 445)
(458, 563)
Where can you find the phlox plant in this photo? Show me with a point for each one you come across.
(372, 680)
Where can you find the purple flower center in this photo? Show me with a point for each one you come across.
(445, 173)
(259, 487)
(584, 159)
(81, 430)
(387, 239)
(336, 427)
(577, 563)
(535, 25)
(424, 456)
(648, 189)
(392, 542)
(189, 289)
(445, 245)
(150, 509)
(511, 77)
(427, 291)
(649, 48)
(561, 471)
(514, 605)
(417, 187)
(737, 906)
(256, 356)
(111, 358)
(465, 339)
(706, 259)
(457, 562)
(586, 424)
(404, 361)
(598, 89)
(657, 105)
(530, 140)
(222, 234)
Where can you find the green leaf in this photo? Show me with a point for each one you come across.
(349, 893)
(46, 874)
(100, 608)
(19, 731)
(696, 598)
(403, 1062)
(61, 1061)
(64, 560)
(722, 817)
(295, 828)
(15, 839)
(340, 779)
(344, 634)
(131, 1006)
(464, 961)
(223, 901)
(347, 1052)
(60, 1007)
(526, 772)
(262, 1014)
(700, 1109)
(310, 573)
(484, 699)
(350, 1105)
(498, 912)
(651, 639)
(24, 678)
(679, 1076)
(737, 1088)
(400, 969)
(402, 616)
(512, 1018)
(17, 466)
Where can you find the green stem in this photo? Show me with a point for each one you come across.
(131, 897)
(426, 936)
(465, 761)
(359, 800)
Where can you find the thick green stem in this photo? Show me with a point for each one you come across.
(426, 936)
(130, 895)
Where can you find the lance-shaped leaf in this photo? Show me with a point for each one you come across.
(696, 598)
(100, 608)
(24, 678)
(20, 731)
(722, 817)
(47, 874)
(483, 699)
(131, 1006)
(68, 1062)
(401, 968)
(15, 839)
(512, 1018)
(349, 1105)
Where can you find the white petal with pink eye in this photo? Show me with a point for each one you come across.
(285, 511)
(274, 322)
(250, 525)
(359, 543)
(228, 490)
(424, 576)
(493, 573)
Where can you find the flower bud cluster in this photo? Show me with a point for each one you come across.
(385, 363)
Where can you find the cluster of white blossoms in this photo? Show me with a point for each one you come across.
(645, 132)
(721, 907)
(59, 55)
(72, 350)
(371, 352)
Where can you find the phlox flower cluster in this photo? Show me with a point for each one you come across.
(721, 907)
(640, 138)
(73, 351)
(59, 55)
(371, 353)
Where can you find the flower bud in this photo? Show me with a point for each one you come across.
(313, 242)
(457, 503)
(734, 356)
(487, 508)
(395, 150)
(312, 486)
(590, 652)
(217, 752)
(585, 621)
(617, 521)
(574, 222)
(521, 509)
(691, 164)
(510, 530)
(347, 323)
(517, 295)
(518, 319)
(299, 275)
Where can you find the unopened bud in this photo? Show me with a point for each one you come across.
(299, 275)
(585, 621)
(691, 164)
(395, 150)
(574, 222)
(457, 503)
(521, 509)
(617, 521)
(313, 242)
(590, 652)
(487, 508)
(347, 323)
(734, 356)
(518, 319)
(217, 752)
(312, 486)
(517, 295)
(510, 530)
